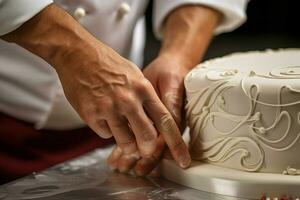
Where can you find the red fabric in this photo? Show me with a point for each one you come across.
(24, 149)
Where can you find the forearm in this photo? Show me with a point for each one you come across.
(187, 33)
(53, 35)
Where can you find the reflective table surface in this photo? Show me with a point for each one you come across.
(88, 177)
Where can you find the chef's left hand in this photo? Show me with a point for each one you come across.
(166, 73)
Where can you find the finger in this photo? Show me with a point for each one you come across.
(166, 125)
(113, 158)
(145, 165)
(122, 134)
(127, 162)
(143, 130)
(104, 129)
(101, 128)
(172, 94)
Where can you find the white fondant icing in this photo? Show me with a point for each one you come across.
(291, 171)
(244, 111)
(225, 181)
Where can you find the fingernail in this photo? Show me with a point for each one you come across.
(184, 161)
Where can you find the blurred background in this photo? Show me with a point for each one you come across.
(271, 24)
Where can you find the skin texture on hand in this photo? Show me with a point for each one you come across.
(109, 92)
(187, 33)
(168, 84)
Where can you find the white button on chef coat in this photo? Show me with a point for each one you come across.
(79, 13)
(30, 89)
(123, 9)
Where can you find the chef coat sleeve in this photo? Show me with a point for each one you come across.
(233, 12)
(13, 13)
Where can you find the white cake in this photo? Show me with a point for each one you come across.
(243, 111)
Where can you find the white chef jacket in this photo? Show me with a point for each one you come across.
(30, 89)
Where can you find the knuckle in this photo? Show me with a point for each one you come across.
(134, 108)
(172, 101)
(128, 105)
(104, 106)
(119, 124)
(166, 122)
(124, 144)
(126, 101)
(172, 96)
(127, 160)
(174, 75)
(142, 85)
(147, 135)
(128, 146)
(100, 109)
(121, 96)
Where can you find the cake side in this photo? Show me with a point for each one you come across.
(243, 111)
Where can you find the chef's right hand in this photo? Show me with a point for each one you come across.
(113, 97)
(109, 92)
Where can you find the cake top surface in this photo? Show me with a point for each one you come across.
(259, 61)
(279, 64)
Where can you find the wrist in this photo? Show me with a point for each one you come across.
(181, 60)
(187, 33)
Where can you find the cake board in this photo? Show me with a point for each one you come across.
(243, 109)
(230, 182)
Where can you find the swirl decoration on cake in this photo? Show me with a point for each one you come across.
(260, 132)
(222, 149)
(206, 104)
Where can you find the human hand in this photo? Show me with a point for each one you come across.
(166, 74)
(141, 166)
(112, 95)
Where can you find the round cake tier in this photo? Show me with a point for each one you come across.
(244, 111)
